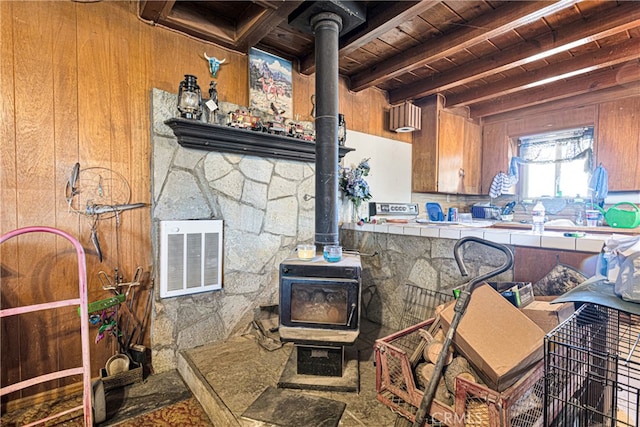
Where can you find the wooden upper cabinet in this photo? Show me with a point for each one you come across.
(446, 153)
(450, 152)
(496, 155)
(618, 143)
(472, 165)
(459, 147)
(424, 154)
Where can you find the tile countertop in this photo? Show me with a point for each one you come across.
(591, 242)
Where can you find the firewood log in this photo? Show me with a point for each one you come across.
(434, 333)
(438, 335)
(459, 367)
(433, 349)
(427, 337)
(424, 372)
(417, 352)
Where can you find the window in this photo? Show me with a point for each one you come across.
(556, 164)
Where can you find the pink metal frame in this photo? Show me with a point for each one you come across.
(82, 301)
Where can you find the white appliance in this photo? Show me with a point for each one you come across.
(393, 210)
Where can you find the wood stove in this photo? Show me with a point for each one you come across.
(320, 314)
(320, 301)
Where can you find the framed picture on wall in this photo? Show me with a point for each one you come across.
(270, 84)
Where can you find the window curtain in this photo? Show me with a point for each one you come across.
(558, 147)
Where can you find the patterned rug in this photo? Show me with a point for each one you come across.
(184, 413)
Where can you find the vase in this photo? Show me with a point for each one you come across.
(345, 211)
(349, 212)
(359, 211)
(355, 213)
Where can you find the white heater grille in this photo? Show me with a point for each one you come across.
(190, 257)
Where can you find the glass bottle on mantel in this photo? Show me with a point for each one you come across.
(537, 216)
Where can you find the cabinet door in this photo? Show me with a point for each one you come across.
(618, 143)
(459, 160)
(495, 157)
(424, 150)
(472, 158)
(446, 153)
(450, 152)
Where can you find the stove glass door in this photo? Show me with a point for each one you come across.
(317, 303)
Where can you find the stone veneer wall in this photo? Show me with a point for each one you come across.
(262, 202)
(423, 262)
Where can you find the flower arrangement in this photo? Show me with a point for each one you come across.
(352, 183)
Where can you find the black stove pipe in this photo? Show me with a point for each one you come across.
(326, 26)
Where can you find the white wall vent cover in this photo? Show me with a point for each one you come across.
(190, 257)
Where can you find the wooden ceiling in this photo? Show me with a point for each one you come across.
(490, 56)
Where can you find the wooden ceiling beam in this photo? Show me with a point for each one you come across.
(154, 10)
(195, 24)
(624, 79)
(586, 63)
(251, 29)
(375, 26)
(605, 95)
(622, 18)
(247, 31)
(506, 18)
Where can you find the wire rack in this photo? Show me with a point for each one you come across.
(592, 369)
(419, 304)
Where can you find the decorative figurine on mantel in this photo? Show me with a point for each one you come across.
(342, 130)
(212, 103)
(277, 125)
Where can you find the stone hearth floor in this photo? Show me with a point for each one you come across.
(225, 378)
(228, 377)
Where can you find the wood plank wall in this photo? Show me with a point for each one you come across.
(75, 81)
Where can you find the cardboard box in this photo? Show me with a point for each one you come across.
(548, 298)
(497, 338)
(518, 293)
(547, 315)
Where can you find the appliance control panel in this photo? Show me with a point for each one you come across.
(390, 209)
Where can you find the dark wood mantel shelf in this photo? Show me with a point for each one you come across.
(205, 136)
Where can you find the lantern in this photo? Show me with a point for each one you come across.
(189, 98)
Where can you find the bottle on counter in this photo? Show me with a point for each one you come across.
(579, 221)
(537, 216)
